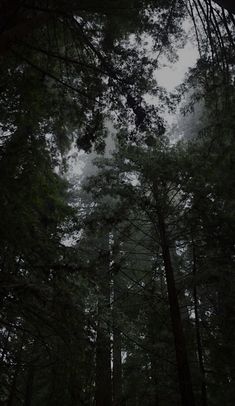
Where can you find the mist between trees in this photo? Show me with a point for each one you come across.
(117, 229)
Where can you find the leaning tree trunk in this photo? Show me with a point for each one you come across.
(184, 376)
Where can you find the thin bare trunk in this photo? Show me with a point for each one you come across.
(184, 375)
(198, 336)
(103, 392)
(117, 348)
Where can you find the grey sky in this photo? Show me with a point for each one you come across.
(169, 76)
(173, 74)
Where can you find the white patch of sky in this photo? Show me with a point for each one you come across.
(172, 74)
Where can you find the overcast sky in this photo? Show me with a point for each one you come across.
(168, 77)
(172, 75)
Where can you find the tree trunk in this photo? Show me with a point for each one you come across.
(185, 384)
(117, 348)
(29, 386)
(103, 392)
(152, 329)
(198, 337)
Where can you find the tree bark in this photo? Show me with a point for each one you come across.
(184, 375)
(29, 386)
(103, 391)
(198, 337)
(154, 368)
(117, 350)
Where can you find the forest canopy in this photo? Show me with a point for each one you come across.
(116, 283)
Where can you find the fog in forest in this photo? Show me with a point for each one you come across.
(117, 203)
